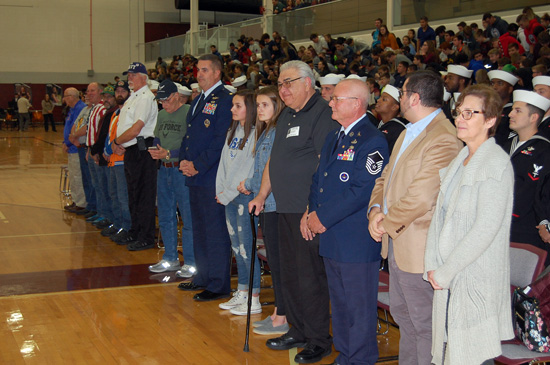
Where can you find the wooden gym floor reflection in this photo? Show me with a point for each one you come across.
(69, 295)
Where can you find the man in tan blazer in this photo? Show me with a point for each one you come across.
(402, 204)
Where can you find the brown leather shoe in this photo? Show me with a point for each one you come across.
(69, 207)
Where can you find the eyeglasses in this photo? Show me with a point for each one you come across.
(336, 99)
(465, 114)
(286, 83)
(165, 100)
(402, 92)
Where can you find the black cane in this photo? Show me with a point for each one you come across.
(251, 279)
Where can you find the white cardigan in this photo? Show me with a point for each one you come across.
(468, 249)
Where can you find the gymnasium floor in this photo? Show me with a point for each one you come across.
(70, 296)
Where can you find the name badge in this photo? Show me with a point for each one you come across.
(293, 132)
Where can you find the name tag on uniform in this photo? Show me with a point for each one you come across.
(293, 132)
(209, 108)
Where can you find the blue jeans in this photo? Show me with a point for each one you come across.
(89, 191)
(102, 190)
(118, 190)
(172, 193)
(240, 233)
(94, 173)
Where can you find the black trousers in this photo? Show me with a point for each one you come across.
(270, 229)
(141, 177)
(304, 283)
(48, 119)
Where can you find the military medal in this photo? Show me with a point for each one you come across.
(207, 123)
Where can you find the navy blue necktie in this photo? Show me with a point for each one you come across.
(200, 105)
(340, 139)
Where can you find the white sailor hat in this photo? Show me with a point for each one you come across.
(541, 80)
(391, 91)
(531, 97)
(231, 88)
(460, 71)
(503, 75)
(331, 79)
(355, 77)
(183, 90)
(195, 86)
(241, 80)
(153, 85)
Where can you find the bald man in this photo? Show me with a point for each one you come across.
(352, 158)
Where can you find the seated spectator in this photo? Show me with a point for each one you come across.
(387, 108)
(408, 45)
(387, 39)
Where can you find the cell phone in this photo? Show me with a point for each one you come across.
(155, 148)
(141, 143)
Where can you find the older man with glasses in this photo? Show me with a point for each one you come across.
(172, 193)
(72, 99)
(301, 132)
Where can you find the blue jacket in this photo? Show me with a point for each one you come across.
(262, 154)
(341, 190)
(206, 135)
(69, 122)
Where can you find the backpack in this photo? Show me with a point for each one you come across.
(531, 310)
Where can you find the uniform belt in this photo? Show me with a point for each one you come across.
(170, 164)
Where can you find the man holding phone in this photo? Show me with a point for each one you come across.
(137, 121)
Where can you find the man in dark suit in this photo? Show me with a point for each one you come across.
(207, 122)
(351, 160)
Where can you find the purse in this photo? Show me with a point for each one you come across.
(530, 326)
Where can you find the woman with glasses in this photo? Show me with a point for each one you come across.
(467, 249)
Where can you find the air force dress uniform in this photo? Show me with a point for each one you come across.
(340, 195)
(208, 120)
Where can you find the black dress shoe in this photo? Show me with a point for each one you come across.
(207, 296)
(284, 342)
(90, 214)
(82, 211)
(312, 353)
(69, 207)
(190, 286)
(139, 246)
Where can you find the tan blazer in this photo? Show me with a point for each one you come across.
(412, 192)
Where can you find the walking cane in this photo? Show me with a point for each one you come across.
(251, 279)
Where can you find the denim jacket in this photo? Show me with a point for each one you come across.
(263, 151)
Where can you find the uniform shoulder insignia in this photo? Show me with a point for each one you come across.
(374, 163)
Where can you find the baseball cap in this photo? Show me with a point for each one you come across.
(109, 90)
(166, 88)
(136, 68)
(123, 84)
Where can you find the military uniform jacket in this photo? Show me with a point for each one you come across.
(206, 135)
(392, 129)
(504, 133)
(341, 191)
(544, 127)
(531, 162)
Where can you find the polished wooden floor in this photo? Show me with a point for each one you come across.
(70, 296)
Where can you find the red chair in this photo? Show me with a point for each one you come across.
(526, 264)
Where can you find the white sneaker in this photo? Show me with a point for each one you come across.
(164, 265)
(241, 309)
(186, 271)
(239, 297)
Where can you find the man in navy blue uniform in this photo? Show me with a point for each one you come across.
(351, 160)
(207, 122)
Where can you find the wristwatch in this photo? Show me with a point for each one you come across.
(167, 155)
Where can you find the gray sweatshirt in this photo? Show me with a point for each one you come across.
(235, 166)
